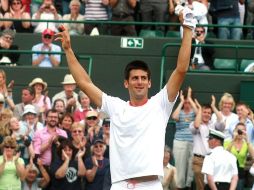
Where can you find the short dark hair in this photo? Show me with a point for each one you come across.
(65, 143)
(137, 64)
(51, 111)
(30, 90)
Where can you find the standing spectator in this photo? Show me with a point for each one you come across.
(45, 138)
(84, 101)
(47, 11)
(184, 114)
(17, 11)
(26, 98)
(240, 147)
(6, 42)
(227, 13)
(59, 106)
(11, 165)
(74, 28)
(123, 10)
(154, 11)
(97, 166)
(226, 107)
(67, 170)
(202, 57)
(200, 129)
(242, 111)
(68, 95)
(220, 166)
(46, 60)
(169, 178)
(96, 11)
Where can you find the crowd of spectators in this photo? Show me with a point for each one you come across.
(232, 13)
(191, 143)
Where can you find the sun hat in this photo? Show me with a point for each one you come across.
(68, 79)
(38, 81)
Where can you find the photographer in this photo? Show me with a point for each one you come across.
(202, 57)
(47, 11)
(240, 147)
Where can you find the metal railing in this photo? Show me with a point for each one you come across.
(236, 56)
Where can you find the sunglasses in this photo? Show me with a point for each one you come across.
(77, 131)
(47, 36)
(98, 146)
(200, 31)
(91, 118)
(9, 147)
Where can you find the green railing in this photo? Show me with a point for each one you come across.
(236, 56)
(80, 56)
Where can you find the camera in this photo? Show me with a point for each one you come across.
(198, 34)
(240, 132)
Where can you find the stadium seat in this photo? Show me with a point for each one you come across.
(173, 34)
(151, 33)
(225, 64)
(245, 63)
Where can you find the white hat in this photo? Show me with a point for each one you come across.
(38, 81)
(29, 109)
(2, 98)
(68, 79)
(216, 134)
(92, 113)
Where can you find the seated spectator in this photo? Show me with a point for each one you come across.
(30, 121)
(74, 28)
(67, 170)
(240, 147)
(84, 101)
(32, 180)
(202, 57)
(47, 11)
(17, 11)
(6, 42)
(59, 106)
(27, 97)
(123, 11)
(68, 95)
(13, 169)
(46, 60)
(5, 116)
(41, 99)
(169, 178)
(97, 166)
(96, 11)
(106, 135)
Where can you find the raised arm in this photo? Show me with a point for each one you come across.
(176, 79)
(80, 75)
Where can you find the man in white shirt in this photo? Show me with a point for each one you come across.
(136, 160)
(220, 166)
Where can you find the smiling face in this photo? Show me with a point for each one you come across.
(138, 85)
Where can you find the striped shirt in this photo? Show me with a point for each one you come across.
(183, 132)
(95, 10)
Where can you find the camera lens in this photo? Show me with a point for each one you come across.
(240, 132)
